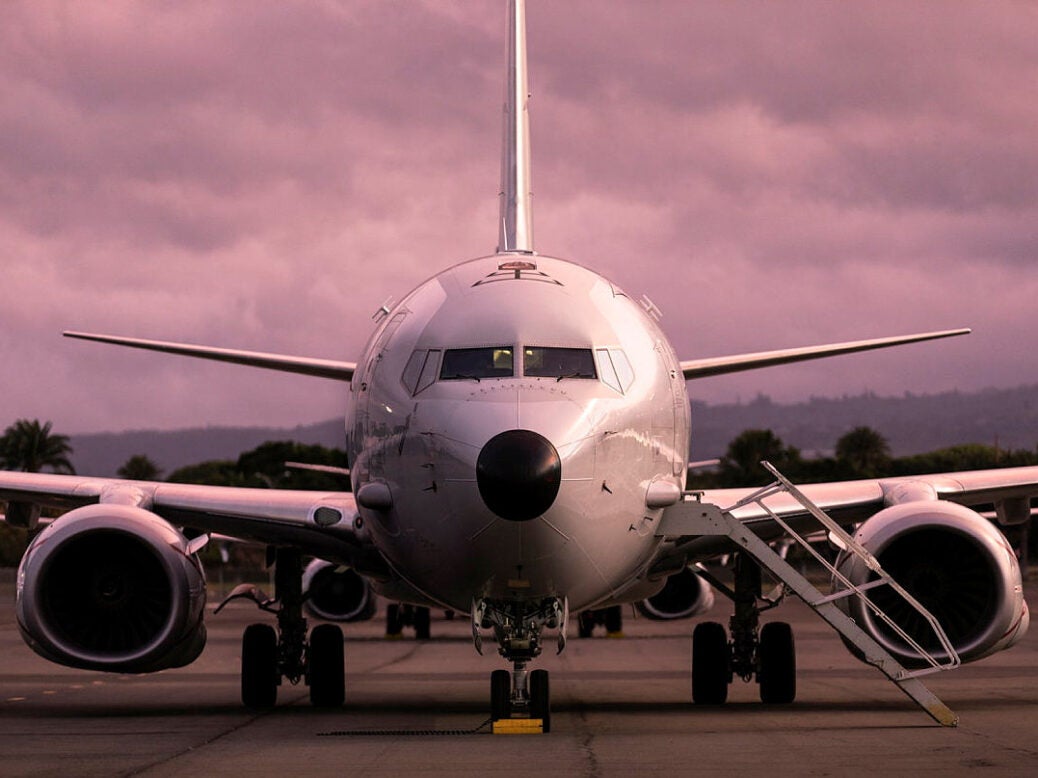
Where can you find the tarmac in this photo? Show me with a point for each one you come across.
(621, 706)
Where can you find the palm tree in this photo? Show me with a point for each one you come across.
(139, 467)
(740, 465)
(864, 452)
(29, 446)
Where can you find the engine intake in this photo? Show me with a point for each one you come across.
(112, 587)
(956, 564)
(337, 593)
(684, 595)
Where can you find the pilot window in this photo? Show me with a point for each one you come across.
(420, 371)
(615, 369)
(413, 370)
(462, 363)
(558, 362)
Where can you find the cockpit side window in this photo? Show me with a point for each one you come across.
(413, 370)
(624, 371)
(428, 374)
(615, 369)
(492, 362)
(549, 362)
(607, 371)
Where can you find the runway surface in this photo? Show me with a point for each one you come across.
(620, 707)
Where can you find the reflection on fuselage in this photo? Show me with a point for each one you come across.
(557, 352)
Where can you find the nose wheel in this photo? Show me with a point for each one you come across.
(527, 700)
(520, 701)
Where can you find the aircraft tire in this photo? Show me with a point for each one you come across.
(540, 698)
(394, 624)
(259, 666)
(585, 624)
(777, 664)
(326, 671)
(422, 617)
(500, 695)
(710, 664)
(614, 620)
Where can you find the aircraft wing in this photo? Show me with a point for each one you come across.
(319, 523)
(850, 502)
(321, 368)
(703, 368)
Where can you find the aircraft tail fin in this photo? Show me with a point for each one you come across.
(516, 229)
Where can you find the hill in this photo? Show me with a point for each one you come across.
(101, 454)
(911, 423)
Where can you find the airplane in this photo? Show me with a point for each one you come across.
(518, 432)
(338, 593)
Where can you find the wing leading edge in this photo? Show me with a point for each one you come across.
(319, 523)
(851, 502)
(321, 368)
(703, 368)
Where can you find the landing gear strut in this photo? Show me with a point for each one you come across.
(612, 618)
(400, 615)
(270, 655)
(517, 626)
(765, 653)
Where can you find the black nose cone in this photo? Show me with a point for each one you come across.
(518, 473)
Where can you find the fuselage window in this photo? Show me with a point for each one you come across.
(428, 376)
(548, 362)
(462, 363)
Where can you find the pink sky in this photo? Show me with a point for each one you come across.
(264, 175)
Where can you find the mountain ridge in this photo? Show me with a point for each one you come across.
(912, 424)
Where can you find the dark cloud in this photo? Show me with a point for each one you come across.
(265, 175)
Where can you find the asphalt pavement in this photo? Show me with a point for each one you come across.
(621, 706)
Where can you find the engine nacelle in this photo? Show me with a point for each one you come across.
(112, 587)
(956, 564)
(337, 593)
(684, 595)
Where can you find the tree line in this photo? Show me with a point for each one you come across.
(32, 446)
(860, 453)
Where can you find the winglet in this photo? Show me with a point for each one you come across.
(516, 233)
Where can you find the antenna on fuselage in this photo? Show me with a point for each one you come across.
(516, 233)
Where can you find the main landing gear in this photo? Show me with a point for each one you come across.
(767, 653)
(400, 615)
(612, 618)
(519, 696)
(269, 655)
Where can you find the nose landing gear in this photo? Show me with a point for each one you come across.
(520, 701)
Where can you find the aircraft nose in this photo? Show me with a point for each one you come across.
(518, 473)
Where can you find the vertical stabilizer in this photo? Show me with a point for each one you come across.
(516, 216)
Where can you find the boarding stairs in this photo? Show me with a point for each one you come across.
(694, 517)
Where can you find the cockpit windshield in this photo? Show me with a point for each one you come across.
(541, 361)
(476, 363)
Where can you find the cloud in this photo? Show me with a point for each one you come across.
(769, 174)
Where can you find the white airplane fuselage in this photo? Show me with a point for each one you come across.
(430, 488)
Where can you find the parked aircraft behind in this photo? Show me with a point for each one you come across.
(518, 436)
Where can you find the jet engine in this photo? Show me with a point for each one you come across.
(337, 593)
(955, 563)
(684, 595)
(112, 587)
